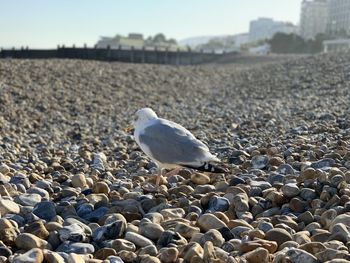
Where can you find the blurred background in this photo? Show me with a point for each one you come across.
(251, 26)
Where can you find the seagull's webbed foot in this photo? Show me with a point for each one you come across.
(173, 172)
(154, 188)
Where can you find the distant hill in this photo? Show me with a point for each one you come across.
(195, 41)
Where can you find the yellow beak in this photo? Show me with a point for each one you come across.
(129, 129)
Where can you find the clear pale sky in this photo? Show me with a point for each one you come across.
(46, 23)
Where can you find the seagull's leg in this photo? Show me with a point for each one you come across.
(159, 175)
(151, 187)
(173, 172)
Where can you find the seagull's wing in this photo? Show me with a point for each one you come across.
(170, 143)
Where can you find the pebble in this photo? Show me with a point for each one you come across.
(76, 247)
(137, 239)
(210, 221)
(260, 161)
(45, 210)
(34, 255)
(72, 181)
(28, 241)
(200, 178)
(122, 244)
(168, 255)
(259, 255)
(278, 235)
(28, 199)
(295, 255)
(8, 207)
(79, 180)
(290, 190)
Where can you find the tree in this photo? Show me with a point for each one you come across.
(159, 38)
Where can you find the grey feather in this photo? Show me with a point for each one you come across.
(171, 143)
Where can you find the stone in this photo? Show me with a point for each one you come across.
(240, 202)
(76, 247)
(101, 188)
(343, 218)
(45, 210)
(109, 231)
(71, 220)
(258, 255)
(302, 237)
(329, 254)
(214, 236)
(38, 229)
(148, 250)
(298, 205)
(209, 253)
(327, 218)
(95, 215)
(296, 255)
(340, 232)
(114, 259)
(278, 235)
(79, 180)
(185, 230)
(42, 192)
(73, 232)
(168, 255)
(122, 244)
(8, 231)
(8, 207)
(34, 255)
(105, 252)
(288, 244)
(28, 199)
(75, 258)
(28, 241)
(53, 257)
(308, 194)
(271, 246)
(306, 217)
(151, 230)
(210, 221)
(97, 198)
(5, 252)
(324, 163)
(200, 178)
(313, 247)
(4, 169)
(127, 256)
(259, 161)
(149, 259)
(170, 237)
(290, 190)
(218, 204)
(191, 250)
(307, 174)
(172, 213)
(137, 239)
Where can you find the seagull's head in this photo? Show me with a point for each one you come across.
(143, 116)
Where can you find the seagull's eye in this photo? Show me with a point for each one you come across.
(135, 118)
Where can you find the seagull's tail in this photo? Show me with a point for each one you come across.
(210, 167)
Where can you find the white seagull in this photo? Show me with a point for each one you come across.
(170, 145)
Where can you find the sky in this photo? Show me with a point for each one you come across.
(48, 23)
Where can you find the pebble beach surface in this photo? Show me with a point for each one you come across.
(72, 179)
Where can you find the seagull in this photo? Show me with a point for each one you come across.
(171, 146)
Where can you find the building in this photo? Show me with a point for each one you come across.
(265, 28)
(132, 40)
(313, 18)
(336, 45)
(338, 17)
